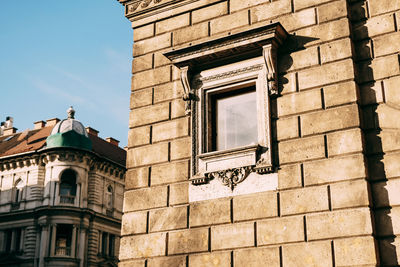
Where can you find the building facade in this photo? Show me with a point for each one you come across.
(263, 133)
(61, 195)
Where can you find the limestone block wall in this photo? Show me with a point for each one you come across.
(335, 136)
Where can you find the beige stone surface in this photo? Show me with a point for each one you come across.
(380, 25)
(357, 251)
(342, 93)
(210, 212)
(151, 77)
(299, 102)
(280, 230)
(179, 194)
(186, 241)
(302, 149)
(175, 261)
(168, 219)
(141, 246)
(145, 155)
(142, 63)
(143, 32)
(149, 114)
(210, 12)
(141, 98)
(304, 200)
(160, 59)
(386, 193)
(139, 136)
(335, 169)
(391, 90)
(168, 91)
(146, 198)
(310, 254)
(381, 46)
(382, 6)
(173, 23)
(289, 176)
(336, 50)
(341, 223)
(177, 108)
(343, 142)
(265, 11)
(257, 257)
(170, 173)
(388, 221)
(136, 178)
(171, 129)
(287, 128)
(189, 34)
(298, 60)
(152, 44)
(255, 206)
(349, 194)
(214, 259)
(232, 236)
(295, 21)
(229, 22)
(181, 148)
(134, 223)
(331, 11)
(132, 263)
(300, 4)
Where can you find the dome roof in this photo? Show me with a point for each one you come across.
(69, 133)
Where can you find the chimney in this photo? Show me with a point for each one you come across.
(52, 122)
(9, 131)
(6, 128)
(92, 131)
(39, 125)
(9, 122)
(113, 141)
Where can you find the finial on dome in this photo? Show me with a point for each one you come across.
(71, 113)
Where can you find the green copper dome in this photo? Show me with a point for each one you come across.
(69, 133)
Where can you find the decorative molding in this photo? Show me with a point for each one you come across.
(230, 74)
(187, 91)
(231, 177)
(270, 58)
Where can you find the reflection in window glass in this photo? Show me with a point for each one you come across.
(235, 119)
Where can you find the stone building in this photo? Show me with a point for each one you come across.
(61, 195)
(263, 133)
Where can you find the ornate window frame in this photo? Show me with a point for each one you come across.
(236, 59)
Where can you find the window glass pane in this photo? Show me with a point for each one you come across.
(236, 120)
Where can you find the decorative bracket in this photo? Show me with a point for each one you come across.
(270, 58)
(187, 91)
(231, 177)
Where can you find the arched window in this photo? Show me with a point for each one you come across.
(18, 186)
(68, 187)
(109, 197)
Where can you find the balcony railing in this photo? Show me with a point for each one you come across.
(67, 199)
(63, 251)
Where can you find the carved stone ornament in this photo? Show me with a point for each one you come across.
(231, 177)
(187, 91)
(270, 58)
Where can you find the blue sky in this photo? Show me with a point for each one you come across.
(54, 54)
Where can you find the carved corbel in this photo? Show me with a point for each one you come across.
(270, 58)
(187, 91)
(231, 177)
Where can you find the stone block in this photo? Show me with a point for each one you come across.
(326, 74)
(325, 32)
(363, 50)
(142, 63)
(229, 22)
(388, 117)
(330, 119)
(146, 155)
(134, 223)
(188, 241)
(334, 169)
(179, 194)
(171, 218)
(287, 128)
(170, 173)
(151, 77)
(137, 178)
(371, 93)
(357, 251)
(331, 11)
(139, 136)
(341, 223)
(171, 129)
(288, 82)
(149, 114)
(300, 4)
(336, 50)
(215, 211)
(349, 194)
(304, 200)
(152, 44)
(377, 7)
(392, 168)
(255, 206)
(160, 59)
(392, 87)
(387, 221)
(142, 246)
(295, 21)
(141, 98)
(175, 261)
(220, 259)
(375, 26)
(232, 236)
(385, 67)
(342, 93)
(299, 102)
(181, 148)
(257, 257)
(173, 23)
(301, 149)
(265, 11)
(343, 142)
(143, 32)
(280, 230)
(315, 254)
(386, 193)
(168, 91)
(146, 198)
(387, 44)
(298, 60)
(177, 108)
(191, 33)
(132, 263)
(289, 176)
(210, 12)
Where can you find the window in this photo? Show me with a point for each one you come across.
(109, 197)
(13, 240)
(107, 244)
(228, 85)
(68, 187)
(18, 187)
(63, 240)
